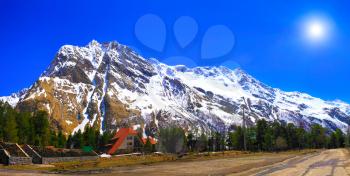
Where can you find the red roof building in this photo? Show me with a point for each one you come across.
(152, 140)
(127, 140)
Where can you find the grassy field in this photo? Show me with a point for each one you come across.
(122, 161)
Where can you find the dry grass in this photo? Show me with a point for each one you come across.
(238, 154)
(103, 163)
(33, 167)
(108, 163)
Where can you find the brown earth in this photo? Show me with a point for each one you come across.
(319, 163)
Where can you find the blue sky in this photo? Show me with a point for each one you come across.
(269, 38)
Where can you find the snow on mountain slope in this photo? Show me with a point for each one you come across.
(110, 86)
(13, 98)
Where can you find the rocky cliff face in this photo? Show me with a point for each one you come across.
(109, 86)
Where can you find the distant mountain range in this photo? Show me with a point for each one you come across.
(110, 86)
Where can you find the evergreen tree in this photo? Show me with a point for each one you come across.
(317, 136)
(190, 142)
(251, 139)
(300, 138)
(291, 136)
(211, 143)
(347, 138)
(10, 126)
(78, 140)
(69, 143)
(24, 128)
(2, 120)
(97, 139)
(223, 140)
(41, 127)
(277, 129)
(53, 138)
(37, 140)
(61, 140)
(105, 138)
(202, 143)
(147, 148)
(268, 140)
(260, 133)
(237, 138)
(339, 138)
(217, 143)
(333, 141)
(89, 136)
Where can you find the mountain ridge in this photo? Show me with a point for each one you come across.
(108, 85)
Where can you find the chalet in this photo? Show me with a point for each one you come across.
(127, 140)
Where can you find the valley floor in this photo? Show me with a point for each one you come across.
(325, 162)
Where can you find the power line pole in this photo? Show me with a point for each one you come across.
(248, 107)
(244, 131)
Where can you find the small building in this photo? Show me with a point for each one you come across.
(151, 140)
(127, 140)
(12, 153)
(50, 154)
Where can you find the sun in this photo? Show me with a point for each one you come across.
(316, 30)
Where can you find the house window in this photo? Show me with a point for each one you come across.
(129, 138)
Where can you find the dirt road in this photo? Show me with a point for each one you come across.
(328, 162)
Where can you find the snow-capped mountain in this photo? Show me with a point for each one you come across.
(109, 85)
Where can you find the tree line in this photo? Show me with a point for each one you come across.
(24, 127)
(34, 129)
(269, 136)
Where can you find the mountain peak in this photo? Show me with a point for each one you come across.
(93, 43)
(107, 85)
